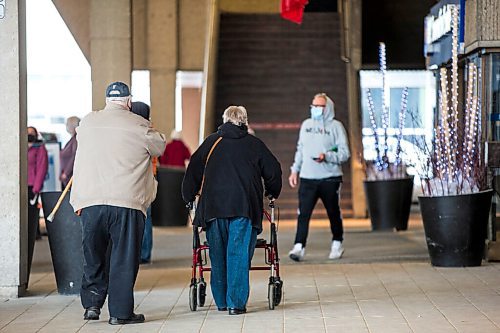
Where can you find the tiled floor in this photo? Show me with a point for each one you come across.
(384, 283)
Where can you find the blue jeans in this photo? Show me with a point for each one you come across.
(232, 244)
(147, 239)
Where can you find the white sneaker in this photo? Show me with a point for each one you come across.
(337, 250)
(297, 253)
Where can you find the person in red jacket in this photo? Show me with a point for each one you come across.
(176, 153)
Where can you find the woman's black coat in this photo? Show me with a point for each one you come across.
(233, 176)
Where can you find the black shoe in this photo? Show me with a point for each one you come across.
(144, 261)
(92, 313)
(133, 319)
(237, 311)
(221, 309)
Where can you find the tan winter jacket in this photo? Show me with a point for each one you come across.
(113, 160)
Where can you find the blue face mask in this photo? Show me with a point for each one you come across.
(316, 112)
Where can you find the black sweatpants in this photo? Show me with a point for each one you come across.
(328, 190)
(121, 229)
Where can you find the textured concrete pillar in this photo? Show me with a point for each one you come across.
(110, 46)
(351, 11)
(191, 100)
(210, 71)
(76, 15)
(192, 32)
(13, 147)
(139, 34)
(162, 52)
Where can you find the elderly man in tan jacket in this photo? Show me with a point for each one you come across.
(113, 186)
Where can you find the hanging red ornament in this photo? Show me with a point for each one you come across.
(293, 10)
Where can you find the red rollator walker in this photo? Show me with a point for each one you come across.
(198, 287)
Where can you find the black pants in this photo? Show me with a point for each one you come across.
(328, 190)
(33, 210)
(121, 229)
(33, 225)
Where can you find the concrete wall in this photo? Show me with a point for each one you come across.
(207, 111)
(13, 147)
(351, 11)
(250, 6)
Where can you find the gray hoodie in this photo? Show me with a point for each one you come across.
(325, 136)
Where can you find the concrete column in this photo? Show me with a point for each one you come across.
(210, 71)
(162, 49)
(76, 15)
(191, 99)
(110, 46)
(193, 17)
(13, 147)
(351, 11)
(139, 34)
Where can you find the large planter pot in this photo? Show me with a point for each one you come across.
(65, 241)
(389, 202)
(169, 209)
(455, 228)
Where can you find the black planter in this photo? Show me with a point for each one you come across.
(455, 228)
(65, 240)
(169, 209)
(389, 203)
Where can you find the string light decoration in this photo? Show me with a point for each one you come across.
(402, 117)
(385, 107)
(373, 122)
(381, 167)
(455, 158)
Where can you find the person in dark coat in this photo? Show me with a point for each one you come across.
(143, 110)
(67, 154)
(230, 205)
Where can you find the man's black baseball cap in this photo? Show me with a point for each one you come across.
(117, 89)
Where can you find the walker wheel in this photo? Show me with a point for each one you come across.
(278, 292)
(192, 297)
(271, 294)
(202, 293)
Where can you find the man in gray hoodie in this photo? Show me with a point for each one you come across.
(321, 149)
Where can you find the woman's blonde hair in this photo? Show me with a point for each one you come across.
(73, 122)
(236, 115)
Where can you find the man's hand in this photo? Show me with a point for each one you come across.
(320, 158)
(292, 180)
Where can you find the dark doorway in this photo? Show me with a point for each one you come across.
(400, 25)
(274, 67)
(321, 6)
